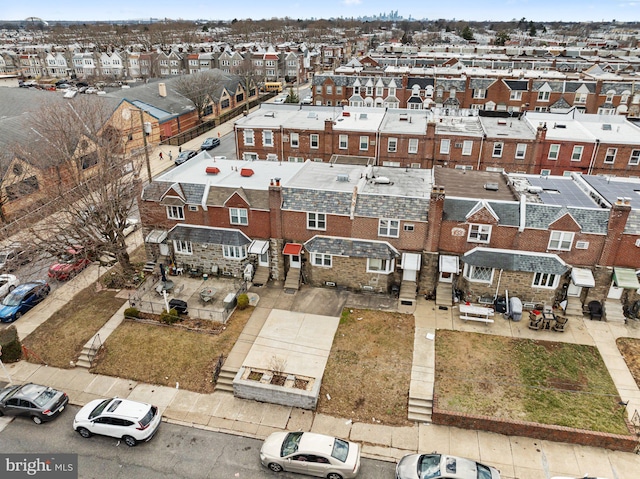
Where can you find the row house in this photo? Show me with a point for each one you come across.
(84, 64)
(532, 143)
(57, 66)
(478, 93)
(170, 64)
(111, 65)
(9, 63)
(32, 65)
(380, 229)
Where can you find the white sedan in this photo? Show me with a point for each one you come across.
(8, 282)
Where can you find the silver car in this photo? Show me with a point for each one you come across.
(441, 466)
(40, 403)
(311, 454)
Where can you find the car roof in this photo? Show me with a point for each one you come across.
(126, 408)
(318, 443)
(31, 390)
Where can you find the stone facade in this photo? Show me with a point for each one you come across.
(349, 273)
(206, 256)
(517, 283)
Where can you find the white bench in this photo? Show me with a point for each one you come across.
(476, 313)
(476, 318)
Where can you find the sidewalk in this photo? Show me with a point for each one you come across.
(519, 457)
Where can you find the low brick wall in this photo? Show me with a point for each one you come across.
(547, 432)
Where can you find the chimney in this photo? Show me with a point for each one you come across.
(162, 90)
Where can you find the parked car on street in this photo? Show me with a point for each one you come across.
(40, 403)
(306, 100)
(8, 283)
(13, 257)
(71, 263)
(280, 99)
(124, 419)
(185, 156)
(210, 143)
(441, 466)
(22, 299)
(311, 454)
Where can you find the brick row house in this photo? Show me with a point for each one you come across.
(533, 143)
(383, 229)
(457, 90)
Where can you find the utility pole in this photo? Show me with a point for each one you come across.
(144, 140)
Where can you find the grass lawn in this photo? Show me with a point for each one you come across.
(60, 339)
(538, 381)
(369, 368)
(630, 349)
(166, 356)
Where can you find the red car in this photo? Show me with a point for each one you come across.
(70, 264)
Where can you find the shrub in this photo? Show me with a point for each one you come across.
(170, 317)
(11, 346)
(243, 301)
(131, 313)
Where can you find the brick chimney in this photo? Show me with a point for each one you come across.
(618, 216)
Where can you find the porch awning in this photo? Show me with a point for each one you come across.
(156, 236)
(449, 264)
(625, 278)
(292, 249)
(258, 247)
(582, 277)
(411, 261)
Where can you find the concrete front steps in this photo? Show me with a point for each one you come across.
(292, 282)
(613, 311)
(420, 410)
(444, 294)
(261, 276)
(225, 379)
(407, 295)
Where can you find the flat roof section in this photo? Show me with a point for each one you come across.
(471, 184)
(508, 128)
(231, 174)
(459, 125)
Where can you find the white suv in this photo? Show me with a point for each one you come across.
(130, 421)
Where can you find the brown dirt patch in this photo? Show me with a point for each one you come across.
(630, 349)
(369, 369)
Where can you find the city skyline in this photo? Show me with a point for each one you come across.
(490, 10)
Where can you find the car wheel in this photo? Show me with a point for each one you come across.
(129, 441)
(275, 467)
(11, 288)
(1, 414)
(37, 419)
(334, 475)
(84, 432)
(17, 316)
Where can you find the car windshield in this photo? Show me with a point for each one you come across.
(290, 444)
(99, 408)
(144, 422)
(12, 299)
(429, 466)
(8, 392)
(483, 471)
(45, 397)
(340, 450)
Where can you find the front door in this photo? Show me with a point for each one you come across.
(615, 292)
(574, 290)
(263, 259)
(409, 275)
(294, 261)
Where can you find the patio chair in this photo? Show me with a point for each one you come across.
(595, 310)
(560, 324)
(535, 320)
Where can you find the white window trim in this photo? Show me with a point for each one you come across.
(521, 151)
(392, 145)
(322, 257)
(467, 147)
(364, 141)
(240, 217)
(573, 153)
(634, 158)
(468, 274)
(480, 230)
(343, 140)
(249, 134)
(614, 152)
(540, 276)
(389, 266)
(445, 146)
(497, 145)
(413, 146)
(561, 237)
(267, 138)
(386, 230)
(316, 220)
(240, 250)
(554, 152)
(171, 212)
(294, 140)
(312, 137)
(182, 247)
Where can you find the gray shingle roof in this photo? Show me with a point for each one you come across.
(209, 235)
(514, 261)
(484, 83)
(350, 247)
(593, 221)
(457, 210)
(330, 202)
(633, 223)
(561, 103)
(420, 81)
(155, 190)
(521, 85)
(394, 207)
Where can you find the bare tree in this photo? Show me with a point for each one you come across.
(202, 88)
(248, 77)
(92, 182)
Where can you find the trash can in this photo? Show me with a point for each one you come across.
(515, 309)
(500, 304)
(179, 305)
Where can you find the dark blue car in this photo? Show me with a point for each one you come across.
(24, 297)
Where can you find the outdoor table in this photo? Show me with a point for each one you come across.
(469, 312)
(207, 294)
(547, 317)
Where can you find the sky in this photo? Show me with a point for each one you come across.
(536, 10)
